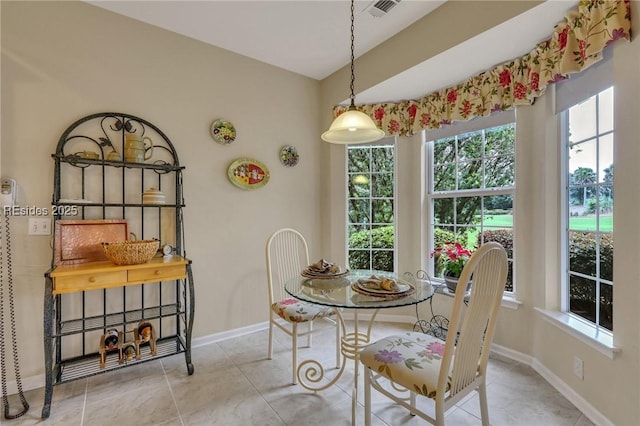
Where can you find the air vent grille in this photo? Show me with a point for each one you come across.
(382, 7)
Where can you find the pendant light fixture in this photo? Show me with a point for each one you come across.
(352, 126)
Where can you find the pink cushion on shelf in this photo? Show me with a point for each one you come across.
(294, 310)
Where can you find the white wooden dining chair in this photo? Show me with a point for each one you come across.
(445, 371)
(287, 256)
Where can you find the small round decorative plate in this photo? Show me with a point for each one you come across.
(289, 155)
(223, 132)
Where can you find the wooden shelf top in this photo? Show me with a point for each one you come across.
(108, 266)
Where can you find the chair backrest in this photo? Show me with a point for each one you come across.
(287, 256)
(470, 353)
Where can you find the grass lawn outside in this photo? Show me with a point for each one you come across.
(576, 223)
(588, 223)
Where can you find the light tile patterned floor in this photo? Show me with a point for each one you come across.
(235, 384)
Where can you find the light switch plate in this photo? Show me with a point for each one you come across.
(39, 226)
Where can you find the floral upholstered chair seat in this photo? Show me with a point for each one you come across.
(409, 359)
(294, 310)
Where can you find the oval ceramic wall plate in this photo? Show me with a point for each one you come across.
(289, 155)
(223, 132)
(247, 173)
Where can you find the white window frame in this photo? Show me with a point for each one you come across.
(386, 142)
(478, 124)
(569, 92)
(597, 330)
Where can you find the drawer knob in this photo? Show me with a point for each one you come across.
(157, 272)
(92, 279)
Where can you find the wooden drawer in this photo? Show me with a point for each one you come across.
(158, 273)
(89, 281)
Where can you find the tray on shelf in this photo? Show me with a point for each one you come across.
(80, 241)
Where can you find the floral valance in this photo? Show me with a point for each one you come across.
(576, 44)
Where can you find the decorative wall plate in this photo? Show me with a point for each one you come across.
(247, 173)
(223, 132)
(289, 155)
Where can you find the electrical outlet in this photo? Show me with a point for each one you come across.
(578, 368)
(39, 226)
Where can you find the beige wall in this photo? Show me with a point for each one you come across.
(65, 60)
(61, 61)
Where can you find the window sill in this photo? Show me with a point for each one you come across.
(510, 301)
(602, 342)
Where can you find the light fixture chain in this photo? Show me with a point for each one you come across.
(353, 77)
(352, 126)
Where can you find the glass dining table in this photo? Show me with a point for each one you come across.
(349, 293)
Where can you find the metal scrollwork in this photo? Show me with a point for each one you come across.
(78, 145)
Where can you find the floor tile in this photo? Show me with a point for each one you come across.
(234, 383)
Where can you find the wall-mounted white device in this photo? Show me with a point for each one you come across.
(8, 189)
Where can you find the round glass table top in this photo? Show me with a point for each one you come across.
(344, 292)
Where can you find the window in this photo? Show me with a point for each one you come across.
(370, 206)
(471, 189)
(588, 148)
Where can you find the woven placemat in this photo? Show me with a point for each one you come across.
(308, 274)
(355, 287)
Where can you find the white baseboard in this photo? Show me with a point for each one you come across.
(35, 382)
(225, 335)
(581, 404)
(511, 354)
(238, 332)
(28, 383)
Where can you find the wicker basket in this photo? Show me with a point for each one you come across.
(131, 252)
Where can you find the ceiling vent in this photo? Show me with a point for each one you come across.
(380, 8)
